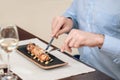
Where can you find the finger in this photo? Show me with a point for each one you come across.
(54, 28)
(58, 27)
(79, 43)
(66, 44)
(68, 39)
(72, 42)
(63, 48)
(62, 30)
(66, 48)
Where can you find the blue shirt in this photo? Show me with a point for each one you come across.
(102, 17)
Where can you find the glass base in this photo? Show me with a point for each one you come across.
(9, 77)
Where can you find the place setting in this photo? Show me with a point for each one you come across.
(9, 44)
(33, 57)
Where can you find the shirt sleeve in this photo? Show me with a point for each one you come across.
(71, 13)
(111, 46)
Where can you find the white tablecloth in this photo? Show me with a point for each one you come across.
(29, 71)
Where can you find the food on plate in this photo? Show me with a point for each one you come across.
(38, 53)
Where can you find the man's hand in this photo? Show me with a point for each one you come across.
(78, 38)
(61, 25)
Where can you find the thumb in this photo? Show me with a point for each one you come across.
(63, 30)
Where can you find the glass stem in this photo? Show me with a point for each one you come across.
(8, 64)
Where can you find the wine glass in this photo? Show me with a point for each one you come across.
(8, 42)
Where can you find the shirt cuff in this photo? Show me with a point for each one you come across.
(111, 45)
(75, 24)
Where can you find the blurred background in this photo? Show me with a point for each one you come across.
(35, 16)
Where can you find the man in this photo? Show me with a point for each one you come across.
(94, 28)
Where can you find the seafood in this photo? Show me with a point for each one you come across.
(38, 53)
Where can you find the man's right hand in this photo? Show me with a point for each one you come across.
(61, 25)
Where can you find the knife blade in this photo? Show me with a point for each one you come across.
(49, 44)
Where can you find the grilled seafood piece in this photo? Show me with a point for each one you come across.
(38, 53)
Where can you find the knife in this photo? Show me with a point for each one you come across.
(49, 44)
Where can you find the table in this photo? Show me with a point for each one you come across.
(95, 75)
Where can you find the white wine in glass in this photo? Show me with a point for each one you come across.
(8, 42)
